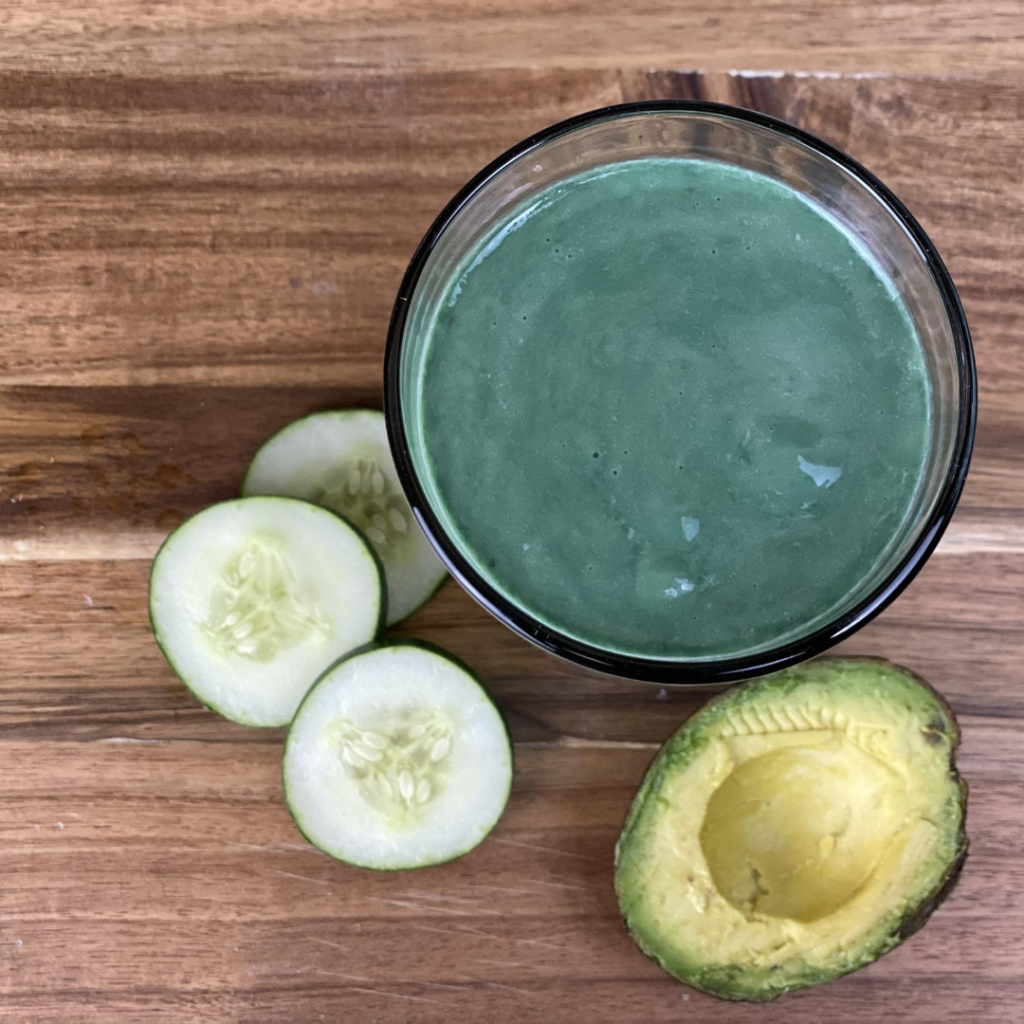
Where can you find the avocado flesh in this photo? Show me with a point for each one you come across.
(795, 829)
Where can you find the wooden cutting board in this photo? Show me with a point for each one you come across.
(205, 210)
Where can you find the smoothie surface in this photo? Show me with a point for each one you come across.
(671, 409)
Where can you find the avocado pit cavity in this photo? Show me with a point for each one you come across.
(797, 832)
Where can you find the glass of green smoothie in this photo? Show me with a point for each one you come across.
(680, 392)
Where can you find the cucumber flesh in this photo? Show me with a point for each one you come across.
(250, 600)
(341, 460)
(397, 758)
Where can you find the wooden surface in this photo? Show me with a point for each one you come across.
(205, 210)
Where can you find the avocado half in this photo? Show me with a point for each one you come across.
(796, 828)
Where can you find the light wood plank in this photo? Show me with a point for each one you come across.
(183, 854)
(78, 662)
(254, 231)
(916, 36)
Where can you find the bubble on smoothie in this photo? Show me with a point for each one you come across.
(682, 587)
(823, 476)
(691, 527)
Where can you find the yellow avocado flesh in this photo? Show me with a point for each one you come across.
(797, 832)
(787, 832)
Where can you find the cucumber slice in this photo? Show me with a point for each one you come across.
(251, 599)
(341, 460)
(397, 758)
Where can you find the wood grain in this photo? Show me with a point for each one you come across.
(205, 210)
(201, 903)
(254, 231)
(972, 650)
(913, 36)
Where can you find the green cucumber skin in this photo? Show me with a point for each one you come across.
(340, 414)
(381, 617)
(423, 645)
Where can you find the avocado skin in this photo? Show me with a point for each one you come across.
(732, 984)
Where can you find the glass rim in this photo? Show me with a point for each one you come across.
(683, 672)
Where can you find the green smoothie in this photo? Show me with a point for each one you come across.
(671, 409)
